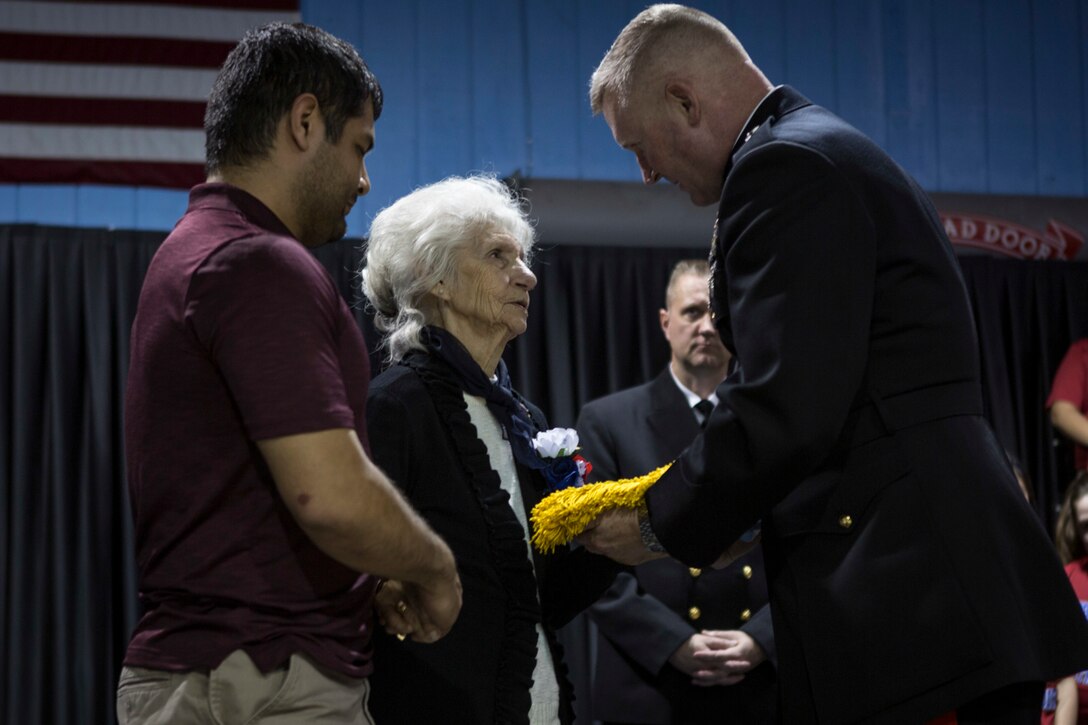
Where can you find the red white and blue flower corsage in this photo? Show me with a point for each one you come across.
(563, 468)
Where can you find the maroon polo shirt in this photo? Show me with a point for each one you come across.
(240, 336)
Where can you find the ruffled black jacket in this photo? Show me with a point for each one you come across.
(481, 672)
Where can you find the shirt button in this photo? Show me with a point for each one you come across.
(694, 613)
(746, 615)
(747, 571)
(846, 521)
(695, 571)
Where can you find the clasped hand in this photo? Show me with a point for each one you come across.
(426, 614)
(717, 657)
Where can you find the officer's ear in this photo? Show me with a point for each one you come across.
(682, 100)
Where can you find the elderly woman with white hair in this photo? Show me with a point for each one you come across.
(447, 273)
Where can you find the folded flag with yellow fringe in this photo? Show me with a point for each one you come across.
(566, 513)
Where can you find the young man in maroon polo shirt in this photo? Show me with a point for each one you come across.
(261, 524)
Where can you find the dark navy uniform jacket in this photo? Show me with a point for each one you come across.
(907, 574)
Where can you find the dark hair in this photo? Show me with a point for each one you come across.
(263, 75)
(1066, 536)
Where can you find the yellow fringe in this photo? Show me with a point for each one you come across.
(564, 514)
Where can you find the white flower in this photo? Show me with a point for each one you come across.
(556, 442)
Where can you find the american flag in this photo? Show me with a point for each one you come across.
(114, 92)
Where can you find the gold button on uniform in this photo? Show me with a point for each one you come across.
(747, 571)
(746, 615)
(846, 521)
(695, 571)
(694, 613)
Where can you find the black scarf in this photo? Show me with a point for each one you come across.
(501, 400)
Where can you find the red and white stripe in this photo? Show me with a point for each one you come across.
(114, 92)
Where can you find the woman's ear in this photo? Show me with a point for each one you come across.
(441, 291)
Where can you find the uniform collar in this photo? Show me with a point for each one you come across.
(755, 118)
(780, 101)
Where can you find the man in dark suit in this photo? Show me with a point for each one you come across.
(908, 578)
(652, 621)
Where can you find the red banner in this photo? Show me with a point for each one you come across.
(1057, 241)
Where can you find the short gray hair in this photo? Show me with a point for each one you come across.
(413, 243)
(683, 268)
(635, 48)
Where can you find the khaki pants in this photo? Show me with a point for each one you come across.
(237, 693)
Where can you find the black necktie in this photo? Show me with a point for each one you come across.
(704, 407)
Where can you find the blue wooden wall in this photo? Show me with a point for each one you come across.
(983, 96)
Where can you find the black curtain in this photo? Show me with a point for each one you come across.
(67, 595)
(1027, 314)
(68, 296)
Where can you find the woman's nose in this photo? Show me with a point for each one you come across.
(526, 278)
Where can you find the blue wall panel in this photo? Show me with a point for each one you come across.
(911, 108)
(106, 206)
(556, 100)
(159, 208)
(500, 132)
(46, 204)
(1010, 98)
(960, 97)
(968, 95)
(390, 48)
(760, 28)
(809, 46)
(1059, 139)
(601, 158)
(859, 67)
(443, 89)
(8, 193)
